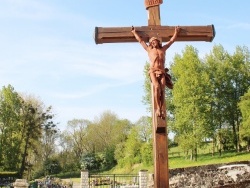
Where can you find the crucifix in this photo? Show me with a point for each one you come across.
(154, 32)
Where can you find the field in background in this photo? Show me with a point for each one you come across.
(178, 159)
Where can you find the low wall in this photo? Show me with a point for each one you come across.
(227, 175)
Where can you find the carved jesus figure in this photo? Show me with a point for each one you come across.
(157, 71)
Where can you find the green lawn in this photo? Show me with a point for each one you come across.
(177, 159)
(206, 159)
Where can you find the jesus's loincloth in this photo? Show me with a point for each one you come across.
(162, 72)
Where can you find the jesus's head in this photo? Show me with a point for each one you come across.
(155, 42)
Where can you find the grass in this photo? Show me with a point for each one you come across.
(206, 159)
(177, 159)
(75, 180)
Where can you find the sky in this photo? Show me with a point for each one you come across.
(47, 50)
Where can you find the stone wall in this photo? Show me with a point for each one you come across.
(21, 183)
(228, 175)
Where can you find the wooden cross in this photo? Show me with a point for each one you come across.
(164, 33)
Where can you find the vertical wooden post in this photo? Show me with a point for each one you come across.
(154, 17)
(160, 147)
(160, 141)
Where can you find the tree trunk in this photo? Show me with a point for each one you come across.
(213, 147)
(235, 141)
(22, 168)
(195, 154)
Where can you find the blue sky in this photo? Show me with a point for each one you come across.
(47, 50)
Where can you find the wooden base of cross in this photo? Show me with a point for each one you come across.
(161, 174)
(160, 146)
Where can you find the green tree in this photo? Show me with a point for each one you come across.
(67, 157)
(36, 120)
(189, 100)
(217, 72)
(239, 82)
(146, 99)
(51, 166)
(22, 122)
(145, 128)
(78, 131)
(10, 106)
(245, 110)
(146, 153)
(106, 133)
(132, 147)
(103, 131)
(144, 125)
(100, 138)
(91, 162)
(229, 80)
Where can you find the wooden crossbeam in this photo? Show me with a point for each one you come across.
(123, 34)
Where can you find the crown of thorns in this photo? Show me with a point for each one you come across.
(152, 39)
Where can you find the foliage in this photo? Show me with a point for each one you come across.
(128, 152)
(51, 166)
(108, 159)
(91, 162)
(69, 174)
(224, 139)
(10, 129)
(23, 120)
(245, 128)
(206, 96)
(98, 139)
(146, 99)
(98, 161)
(146, 153)
(229, 80)
(189, 100)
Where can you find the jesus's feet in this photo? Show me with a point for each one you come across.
(162, 114)
(158, 112)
